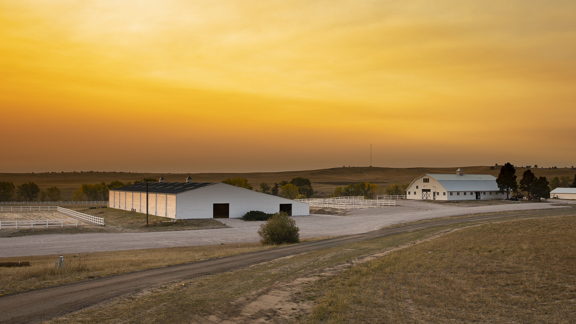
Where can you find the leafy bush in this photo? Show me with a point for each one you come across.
(279, 229)
(256, 215)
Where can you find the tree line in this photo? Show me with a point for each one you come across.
(31, 192)
(535, 188)
(297, 188)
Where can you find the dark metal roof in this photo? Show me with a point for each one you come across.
(164, 187)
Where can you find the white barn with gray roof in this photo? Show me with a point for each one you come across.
(563, 193)
(190, 200)
(457, 186)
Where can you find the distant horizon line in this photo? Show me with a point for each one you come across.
(295, 170)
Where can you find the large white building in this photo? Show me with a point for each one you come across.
(563, 193)
(186, 200)
(457, 186)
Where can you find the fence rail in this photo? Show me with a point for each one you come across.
(53, 202)
(81, 216)
(27, 208)
(43, 223)
(391, 197)
(348, 202)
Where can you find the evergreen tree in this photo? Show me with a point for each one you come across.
(507, 179)
(28, 191)
(540, 188)
(527, 179)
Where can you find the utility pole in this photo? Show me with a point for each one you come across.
(146, 203)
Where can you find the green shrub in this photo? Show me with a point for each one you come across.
(256, 215)
(279, 229)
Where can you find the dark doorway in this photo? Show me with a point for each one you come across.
(287, 208)
(426, 194)
(478, 195)
(221, 210)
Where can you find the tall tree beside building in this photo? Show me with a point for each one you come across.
(527, 179)
(507, 179)
(573, 185)
(540, 188)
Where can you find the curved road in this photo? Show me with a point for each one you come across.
(44, 304)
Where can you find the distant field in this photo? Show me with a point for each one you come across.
(324, 180)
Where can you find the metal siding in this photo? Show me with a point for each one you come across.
(171, 206)
(161, 205)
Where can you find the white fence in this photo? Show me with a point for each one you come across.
(82, 216)
(53, 202)
(348, 202)
(391, 197)
(44, 223)
(27, 208)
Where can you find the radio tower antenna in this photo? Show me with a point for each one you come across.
(370, 155)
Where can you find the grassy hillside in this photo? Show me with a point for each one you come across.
(324, 180)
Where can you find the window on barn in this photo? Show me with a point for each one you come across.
(451, 194)
(444, 193)
(426, 180)
(458, 193)
(465, 193)
(416, 187)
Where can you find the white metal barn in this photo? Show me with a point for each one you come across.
(563, 193)
(457, 186)
(185, 200)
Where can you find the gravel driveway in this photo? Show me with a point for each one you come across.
(357, 221)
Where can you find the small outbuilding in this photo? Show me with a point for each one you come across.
(187, 200)
(457, 186)
(563, 193)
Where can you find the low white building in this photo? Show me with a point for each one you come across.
(563, 193)
(457, 186)
(186, 200)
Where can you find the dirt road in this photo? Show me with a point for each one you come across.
(35, 306)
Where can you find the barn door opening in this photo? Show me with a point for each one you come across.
(426, 194)
(221, 210)
(478, 195)
(287, 208)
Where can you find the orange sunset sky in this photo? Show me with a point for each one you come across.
(234, 86)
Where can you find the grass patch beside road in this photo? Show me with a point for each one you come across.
(129, 221)
(521, 271)
(78, 267)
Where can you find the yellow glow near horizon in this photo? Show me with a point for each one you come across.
(285, 85)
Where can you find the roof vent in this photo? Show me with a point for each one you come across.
(189, 179)
(161, 179)
(459, 172)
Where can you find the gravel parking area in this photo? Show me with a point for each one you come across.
(356, 221)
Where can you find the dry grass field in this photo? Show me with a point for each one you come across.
(324, 180)
(521, 271)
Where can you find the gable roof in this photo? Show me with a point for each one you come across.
(164, 187)
(465, 182)
(564, 191)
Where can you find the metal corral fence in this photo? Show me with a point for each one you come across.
(28, 208)
(348, 202)
(53, 202)
(44, 223)
(81, 216)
